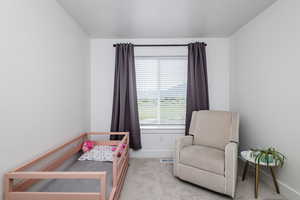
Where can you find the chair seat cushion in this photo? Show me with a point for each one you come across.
(204, 158)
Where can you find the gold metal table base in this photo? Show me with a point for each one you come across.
(257, 173)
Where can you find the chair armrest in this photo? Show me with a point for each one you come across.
(183, 141)
(231, 165)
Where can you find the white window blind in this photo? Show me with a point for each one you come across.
(161, 89)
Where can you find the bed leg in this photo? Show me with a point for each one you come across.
(8, 184)
(115, 171)
(103, 187)
(85, 137)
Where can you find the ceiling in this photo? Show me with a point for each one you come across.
(163, 18)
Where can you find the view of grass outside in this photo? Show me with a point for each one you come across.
(163, 111)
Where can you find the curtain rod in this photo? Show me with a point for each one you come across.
(158, 45)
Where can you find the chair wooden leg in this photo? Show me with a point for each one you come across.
(274, 180)
(245, 170)
(256, 180)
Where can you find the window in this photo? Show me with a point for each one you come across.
(161, 90)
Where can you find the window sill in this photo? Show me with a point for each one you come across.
(162, 129)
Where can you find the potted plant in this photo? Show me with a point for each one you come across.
(269, 156)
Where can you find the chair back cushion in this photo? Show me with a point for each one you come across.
(211, 128)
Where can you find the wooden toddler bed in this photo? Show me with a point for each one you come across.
(80, 180)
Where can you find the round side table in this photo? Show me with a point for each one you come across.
(247, 156)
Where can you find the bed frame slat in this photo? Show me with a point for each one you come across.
(56, 175)
(53, 196)
(121, 181)
(108, 143)
(107, 133)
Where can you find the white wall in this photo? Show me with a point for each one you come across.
(265, 86)
(157, 143)
(44, 98)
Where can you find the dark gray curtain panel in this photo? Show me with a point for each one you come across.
(197, 86)
(125, 108)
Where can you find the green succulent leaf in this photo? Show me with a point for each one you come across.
(265, 155)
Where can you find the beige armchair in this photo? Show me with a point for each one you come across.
(208, 155)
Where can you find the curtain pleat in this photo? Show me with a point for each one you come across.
(197, 84)
(125, 107)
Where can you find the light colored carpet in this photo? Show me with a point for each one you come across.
(148, 179)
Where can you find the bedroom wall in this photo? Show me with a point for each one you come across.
(265, 86)
(44, 73)
(156, 142)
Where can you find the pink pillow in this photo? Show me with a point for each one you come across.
(114, 148)
(88, 145)
(121, 150)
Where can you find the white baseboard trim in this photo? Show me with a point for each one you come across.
(285, 190)
(152, 153)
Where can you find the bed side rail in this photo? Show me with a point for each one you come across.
(47, 154)
(49, 166)
(106, 133)
(105, 141)
(12, 195)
